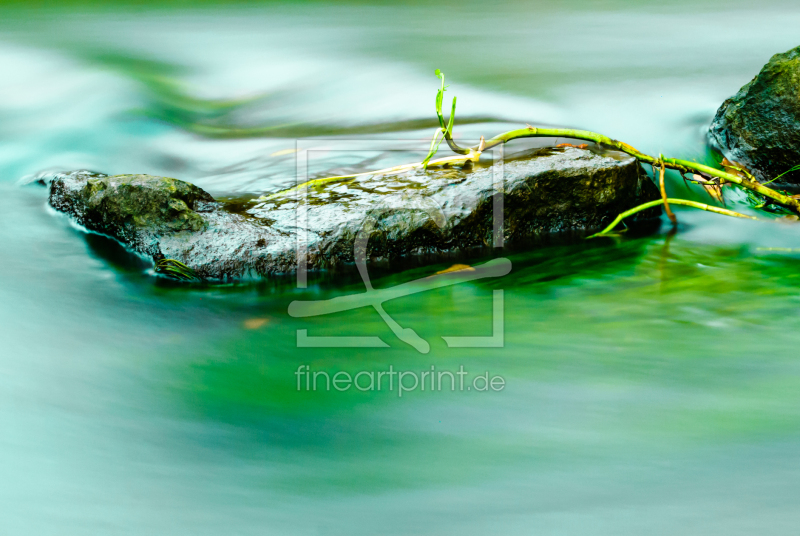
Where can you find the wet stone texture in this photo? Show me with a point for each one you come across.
(424, 213)
(759, 127)
(134, 209)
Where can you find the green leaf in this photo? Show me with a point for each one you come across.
(434, 147)
(452, 118)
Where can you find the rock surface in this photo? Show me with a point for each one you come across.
(759, 127)
(134, 209)
(422, 213)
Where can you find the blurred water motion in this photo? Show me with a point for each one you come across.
(653, 384)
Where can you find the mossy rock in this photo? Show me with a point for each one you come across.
(759, 127)
(134, 209)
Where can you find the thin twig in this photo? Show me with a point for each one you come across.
(661, 187)
(673, 201)
(472, 154)
(672, 163)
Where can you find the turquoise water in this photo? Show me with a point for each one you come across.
(652, 384)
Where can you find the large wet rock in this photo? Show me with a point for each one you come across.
(423, 213)
(759, 127)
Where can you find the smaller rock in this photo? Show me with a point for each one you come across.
(759, 127)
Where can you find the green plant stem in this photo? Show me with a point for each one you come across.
(534, 132)
(473, 154)
(671, 201)
(795, 168)
(447, 127)
(746, 183)
(683, 166)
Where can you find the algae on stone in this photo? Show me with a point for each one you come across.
(134, 209)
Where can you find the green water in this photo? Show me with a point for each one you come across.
(652, 385)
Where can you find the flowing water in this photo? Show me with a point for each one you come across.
(652, 384)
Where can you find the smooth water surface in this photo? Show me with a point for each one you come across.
(652, 384)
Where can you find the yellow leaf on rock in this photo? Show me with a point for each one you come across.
(255, 323)
(581, 146)
(735, 168)
(457, 268)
